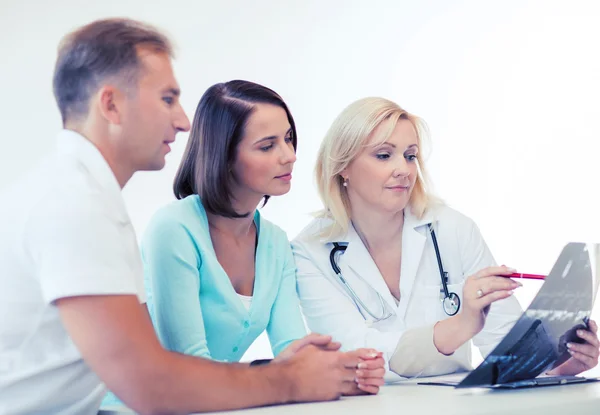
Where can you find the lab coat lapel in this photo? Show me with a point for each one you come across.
(414, 237)
(357, 260)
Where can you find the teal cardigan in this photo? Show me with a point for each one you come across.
(194, 307)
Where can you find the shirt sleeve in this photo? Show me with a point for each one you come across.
(503, 314)
(81, 248)
(417, 356)
(286, 323)
(171, 264)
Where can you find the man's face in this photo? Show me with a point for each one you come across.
(152, 114)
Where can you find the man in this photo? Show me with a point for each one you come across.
(70, 269)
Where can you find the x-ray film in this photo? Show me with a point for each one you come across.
(537, 342)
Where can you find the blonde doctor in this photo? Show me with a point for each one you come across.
(388, 266)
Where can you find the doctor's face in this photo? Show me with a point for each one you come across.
(265, 155)
(383, 175)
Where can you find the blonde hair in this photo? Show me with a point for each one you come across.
(346, 139)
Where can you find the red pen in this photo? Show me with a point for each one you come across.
(526, 276)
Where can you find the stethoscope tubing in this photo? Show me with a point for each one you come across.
(450, 302)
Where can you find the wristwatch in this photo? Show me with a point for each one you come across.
(259, 362)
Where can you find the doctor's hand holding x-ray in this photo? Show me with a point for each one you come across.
(388, 266)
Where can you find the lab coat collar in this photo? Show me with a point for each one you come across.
(358, 259)
(414, 238)
(412, 221)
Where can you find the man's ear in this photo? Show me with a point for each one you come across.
(110, 101)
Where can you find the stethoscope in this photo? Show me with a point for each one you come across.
(450, 302)
(385, 314)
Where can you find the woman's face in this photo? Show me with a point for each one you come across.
(265, 155)
(382, 177)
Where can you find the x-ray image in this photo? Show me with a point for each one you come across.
(537, 342)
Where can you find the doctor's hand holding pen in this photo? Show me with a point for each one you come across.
(479, 292)
(492, 284)
(368, 363)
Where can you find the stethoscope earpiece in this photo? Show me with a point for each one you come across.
(372, 318)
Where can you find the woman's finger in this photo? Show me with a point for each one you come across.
(365, 356)
(370, 381)
(491, 271)
(585, 349)
(354, 388)
(371, 373)
(332, 346)
(371, 390)
(372, 364)
(587, 361)
(488, 299)
(316, 339)
(319, 340)
(593, 326)
(492, 284)
(589, 337)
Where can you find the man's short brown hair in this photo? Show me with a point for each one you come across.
(102, 50)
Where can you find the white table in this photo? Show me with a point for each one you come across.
(408, 399)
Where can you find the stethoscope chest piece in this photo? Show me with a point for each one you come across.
(451, 304)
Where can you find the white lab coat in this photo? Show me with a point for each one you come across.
(406, 338)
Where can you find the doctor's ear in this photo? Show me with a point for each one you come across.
(110, 101)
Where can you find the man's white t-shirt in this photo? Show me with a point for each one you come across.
(64, 232)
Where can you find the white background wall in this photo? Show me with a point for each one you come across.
(510, 90)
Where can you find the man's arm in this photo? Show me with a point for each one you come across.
(145, 311)
(118, 342)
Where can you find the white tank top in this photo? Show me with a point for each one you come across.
(246, 300)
